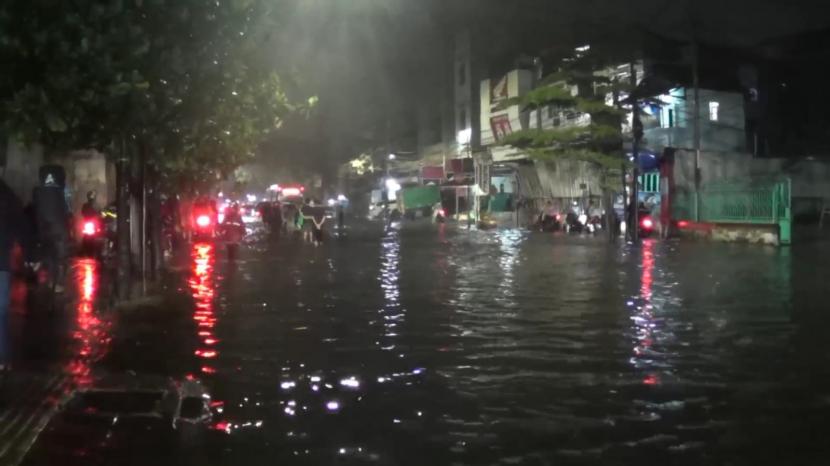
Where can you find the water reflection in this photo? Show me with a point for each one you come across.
(586, 371)
(202, 289)
(509, 247)
(92, 334)
(643, 317)
(392, 312)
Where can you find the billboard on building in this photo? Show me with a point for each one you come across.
(500, 124)
(432, 173)
(461, 166)
(498, 90)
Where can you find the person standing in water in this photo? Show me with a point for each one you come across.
(318, 218)
(307, 219)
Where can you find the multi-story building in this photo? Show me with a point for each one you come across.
(721, 120)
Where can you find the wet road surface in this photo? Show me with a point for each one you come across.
(431, 345)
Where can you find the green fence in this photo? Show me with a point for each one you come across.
(760, 202)
(500, 202)
(649, 182)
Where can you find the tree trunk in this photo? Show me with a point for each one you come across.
(136, 209)
(610, 224)
(154, 223)
(122, 199)
(636, 126)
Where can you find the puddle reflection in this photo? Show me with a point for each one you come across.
(643, 316)
(392, 312)
(92, 334)
(202, 287)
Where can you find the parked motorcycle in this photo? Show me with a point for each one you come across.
(573, 223)
(594, 224)
(549, 223)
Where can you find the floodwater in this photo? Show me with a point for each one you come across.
(432, 345)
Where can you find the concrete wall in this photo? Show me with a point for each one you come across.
(22, 164)
(810, 178)
(564, 178)
(85, 170)
(723, 130)
(558, 179)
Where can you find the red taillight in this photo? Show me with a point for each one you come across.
(203, 221)
(682, 224)
(646, 223)
(89, 228)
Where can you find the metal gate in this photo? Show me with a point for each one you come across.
(759, 202)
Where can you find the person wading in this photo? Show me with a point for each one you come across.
(318, 219)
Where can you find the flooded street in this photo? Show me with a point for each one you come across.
(431, 345)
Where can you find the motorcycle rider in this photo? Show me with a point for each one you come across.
(233, 228)
(90, 213)
(548, 217)
(90, 208)
(232, 215)
(437, 212)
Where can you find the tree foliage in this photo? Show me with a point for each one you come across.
(575, 87)
(188, 82)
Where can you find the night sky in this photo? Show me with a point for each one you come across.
(366, 59)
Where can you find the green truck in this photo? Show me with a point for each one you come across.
(418, 199)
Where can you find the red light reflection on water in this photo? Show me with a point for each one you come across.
(646, 279)
(202, 288)
(91, 335)
(651, 379)
(644, 312)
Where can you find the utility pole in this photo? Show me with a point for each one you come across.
(122, 243)
(696, 124)
(637, 133)
(611, 224)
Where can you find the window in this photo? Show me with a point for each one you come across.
(462, 74)
(713, 111)
(668, 118)
(557, 120)
(462, 117)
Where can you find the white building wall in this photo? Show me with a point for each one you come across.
(462, 85)
(519, 82)
(21, 170)
(85, 170)
(810, 178)
(722, 130)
